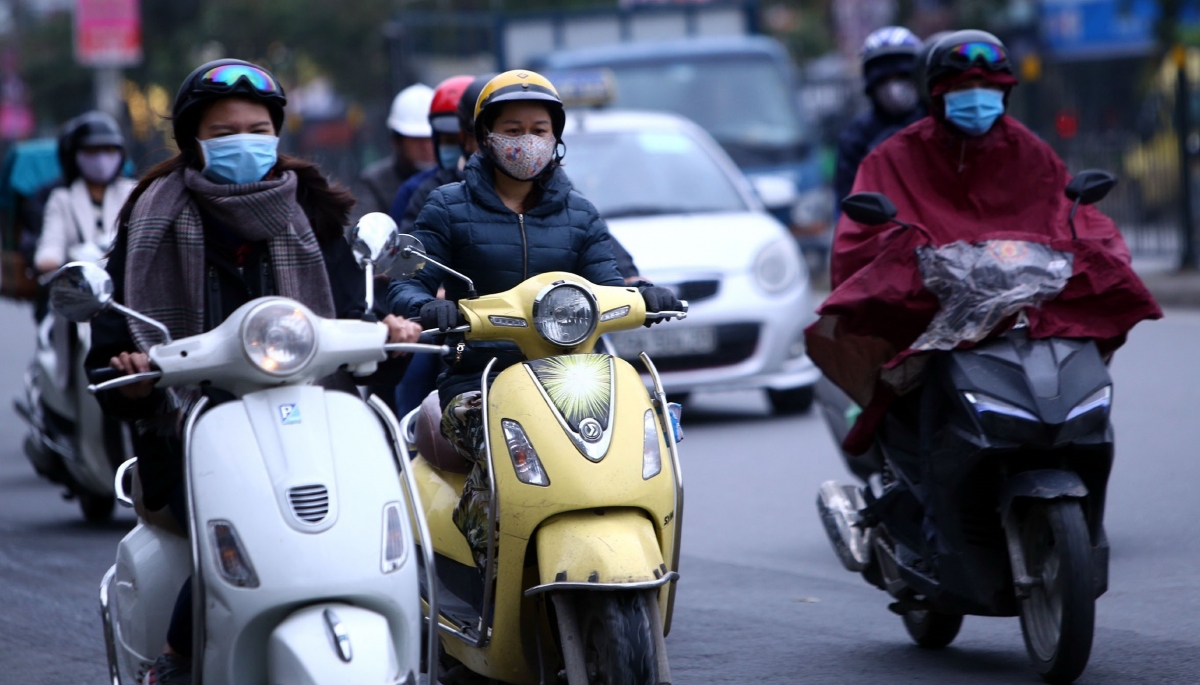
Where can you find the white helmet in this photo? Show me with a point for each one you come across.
(410, 112)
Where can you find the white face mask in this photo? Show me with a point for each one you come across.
(897, 96)
(98, 166)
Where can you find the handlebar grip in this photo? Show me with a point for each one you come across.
(103, 375)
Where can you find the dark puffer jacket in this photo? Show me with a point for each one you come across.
(468, 228)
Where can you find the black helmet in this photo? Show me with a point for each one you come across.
(922, 64)
(889, 51)
(962, 51)
(90, 129)
(221, 78)
(466, 104)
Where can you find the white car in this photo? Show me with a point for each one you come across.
(695, 224)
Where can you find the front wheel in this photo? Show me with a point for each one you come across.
(1058, 617)
(931, 629)
(618, 645)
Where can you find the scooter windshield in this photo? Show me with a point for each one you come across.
(980, 285)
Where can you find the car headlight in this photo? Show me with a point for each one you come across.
(564, 314)
(1101, 399)
(984, 404)
(777, 266)
(279, 338)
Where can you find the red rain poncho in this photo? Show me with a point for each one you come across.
(1006, 184)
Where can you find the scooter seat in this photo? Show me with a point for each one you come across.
(432, 445)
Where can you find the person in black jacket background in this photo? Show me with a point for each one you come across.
(225, 221)
(889, 59)
(514, 216)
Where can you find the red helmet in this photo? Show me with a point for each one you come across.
(443, 111)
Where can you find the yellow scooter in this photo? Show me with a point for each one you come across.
(585, 495)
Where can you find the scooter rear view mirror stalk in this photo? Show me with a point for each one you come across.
(415, 251)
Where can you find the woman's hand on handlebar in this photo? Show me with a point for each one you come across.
(439, 314)
(659, 299)
(401, 330)
(130, 363)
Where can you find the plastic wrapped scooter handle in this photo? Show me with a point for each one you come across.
(103, 375)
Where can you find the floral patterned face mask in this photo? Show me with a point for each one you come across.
(522, 157)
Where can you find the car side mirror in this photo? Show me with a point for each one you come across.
(79, 291)
(869, 209)
(1091, 186)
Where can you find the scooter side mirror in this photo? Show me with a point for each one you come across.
(1091, 186)
(869, 209)
(375, 240)
(410, 257)
(79, 291)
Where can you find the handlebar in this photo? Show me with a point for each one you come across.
(437, 331)
(658, 316)
(416, 347)
(122, 381)
(103, 375)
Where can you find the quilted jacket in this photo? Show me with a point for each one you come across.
(468, 228)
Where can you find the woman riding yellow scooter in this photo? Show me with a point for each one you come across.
(524, 239)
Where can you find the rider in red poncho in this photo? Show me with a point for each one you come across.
(967, 172)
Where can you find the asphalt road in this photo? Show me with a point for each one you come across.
(762, 598)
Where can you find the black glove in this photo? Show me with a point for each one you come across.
(439, 314)
(659, 299)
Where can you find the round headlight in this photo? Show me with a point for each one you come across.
(279, 338)
(565, 314)
(777, 266)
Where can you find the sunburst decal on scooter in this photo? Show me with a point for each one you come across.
(579, 385)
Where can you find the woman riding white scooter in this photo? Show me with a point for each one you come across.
(225, 221)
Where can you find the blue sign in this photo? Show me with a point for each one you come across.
(1096, 29)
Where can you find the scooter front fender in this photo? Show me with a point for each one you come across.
(332, 643)
(1041, 484)
(599, 549)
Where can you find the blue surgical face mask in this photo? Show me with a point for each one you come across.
(974, 110)
(448, 156)
(241, 158)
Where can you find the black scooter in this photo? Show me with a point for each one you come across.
(990, 501)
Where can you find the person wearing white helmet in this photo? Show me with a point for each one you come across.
(412, 150)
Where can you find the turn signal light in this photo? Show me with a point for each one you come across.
(232, 560)
(524, 457)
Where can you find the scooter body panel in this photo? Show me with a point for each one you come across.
(609, 492)
(991, 413)
(298, 652)
(284, 441)
(152, 565)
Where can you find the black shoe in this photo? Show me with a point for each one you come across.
(169, 669)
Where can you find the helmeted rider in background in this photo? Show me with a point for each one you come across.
(412, 150)
(225, 221)
(967, 172)
(81, 217)
(889, 57)
(514, 216)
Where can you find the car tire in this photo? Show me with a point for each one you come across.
(792, 401)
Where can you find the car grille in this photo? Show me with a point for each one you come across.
(736, 343)
(310, 502)
(696, 291)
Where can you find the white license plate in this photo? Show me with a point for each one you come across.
(666, 342)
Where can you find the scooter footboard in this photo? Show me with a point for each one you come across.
(334, 643)
(598, 547)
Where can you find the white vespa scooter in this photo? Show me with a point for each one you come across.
(70, 441)
(300, 547)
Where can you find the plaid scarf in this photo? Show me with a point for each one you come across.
(165, 272)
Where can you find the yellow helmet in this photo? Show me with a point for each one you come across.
(513, 86)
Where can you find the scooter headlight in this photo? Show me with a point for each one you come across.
(565, 314)
(1101, 399)
(279, 337)
(985, 404)
(524, 457)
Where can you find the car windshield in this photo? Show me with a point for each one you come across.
(739, 100)
(643, 173)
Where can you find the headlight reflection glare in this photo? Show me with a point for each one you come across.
(279, 338)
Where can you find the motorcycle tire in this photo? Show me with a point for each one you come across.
(618, 646)
(96, 508)
(1058, 618)
(932, 629)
